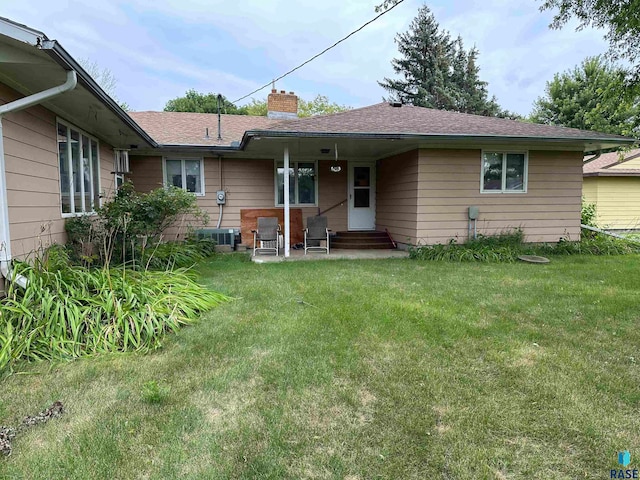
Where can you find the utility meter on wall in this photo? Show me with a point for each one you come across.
(221, 197)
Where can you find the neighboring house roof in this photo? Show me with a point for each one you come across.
(410, 120)
(611, 165)
(183, 128)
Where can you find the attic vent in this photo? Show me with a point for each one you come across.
(120, 161)
(395, 104)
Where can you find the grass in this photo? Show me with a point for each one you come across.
(355, 370)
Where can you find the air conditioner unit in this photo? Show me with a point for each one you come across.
(222, 236)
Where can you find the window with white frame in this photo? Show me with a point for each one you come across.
(504, 172)
(303, 183)
(120, 166)
(185, 173)
(79, 170)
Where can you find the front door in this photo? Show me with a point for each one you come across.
(362, 196)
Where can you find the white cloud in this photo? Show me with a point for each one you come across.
(158, 51)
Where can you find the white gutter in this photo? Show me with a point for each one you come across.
(5, 235)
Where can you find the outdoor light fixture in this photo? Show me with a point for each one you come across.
(335, 168)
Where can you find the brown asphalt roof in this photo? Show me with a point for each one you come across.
(407, 119)
(182, 128)
(602, 165)
(189, 128)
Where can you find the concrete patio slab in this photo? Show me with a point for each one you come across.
(336, 254)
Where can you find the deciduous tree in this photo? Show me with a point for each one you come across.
(196, 102)
(619, 18)
(591, 96)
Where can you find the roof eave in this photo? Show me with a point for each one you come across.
(214, 148)
(62, 57)
(439, 137)
(611, 174)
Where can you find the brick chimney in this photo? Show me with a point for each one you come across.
(282, 105)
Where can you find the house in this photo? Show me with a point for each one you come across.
(612, 183)
(410, 171)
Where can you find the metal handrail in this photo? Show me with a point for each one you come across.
(331, 208)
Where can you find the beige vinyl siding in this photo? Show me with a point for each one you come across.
(248, 184)
(450, 183)
(617, 201)
(396, 197)
(33, 184)
(107, 179)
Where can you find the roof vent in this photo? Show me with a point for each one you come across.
(395, 104)
(325, 150)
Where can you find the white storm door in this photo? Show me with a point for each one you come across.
(362, 196)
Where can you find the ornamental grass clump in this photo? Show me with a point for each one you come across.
(507, 246)
(71, 311)
(504, 247)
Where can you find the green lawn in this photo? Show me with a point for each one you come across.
(352, 370)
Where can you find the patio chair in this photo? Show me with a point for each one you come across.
(315, 233)
(267, 234)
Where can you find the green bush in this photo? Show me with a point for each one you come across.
(130, 224)
(71, 311)
(171, 255)
(507, 246)
(588, 214)
(504, 247)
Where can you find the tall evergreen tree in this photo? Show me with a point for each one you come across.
(436, 71)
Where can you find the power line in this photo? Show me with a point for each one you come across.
(318, 54)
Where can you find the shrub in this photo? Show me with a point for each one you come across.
(507, 246)
(504, 247)
(130, 224)
(71, 311)
(588, 214)
(177, 254)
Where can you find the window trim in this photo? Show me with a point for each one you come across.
(70, 126)
(503, 190)
(294, 164)
(183, 173)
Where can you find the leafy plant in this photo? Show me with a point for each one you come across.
(154, 393)
(70, 311)
(507, 246)
(170, 255)
(130, 224)
(588, 214)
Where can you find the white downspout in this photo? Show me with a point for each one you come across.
(287, 227)
(5, 234)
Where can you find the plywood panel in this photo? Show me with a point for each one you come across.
(249, 221)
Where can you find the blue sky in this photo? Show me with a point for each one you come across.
(158, 50)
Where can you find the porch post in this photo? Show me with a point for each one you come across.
(287, 226)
